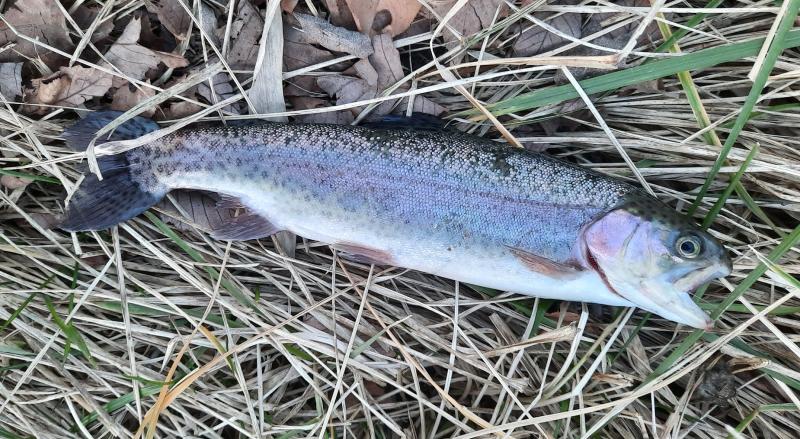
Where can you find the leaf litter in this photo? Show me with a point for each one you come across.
(133, 295)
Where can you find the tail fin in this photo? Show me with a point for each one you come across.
(96, 204)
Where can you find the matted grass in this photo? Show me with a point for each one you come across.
(149, 330)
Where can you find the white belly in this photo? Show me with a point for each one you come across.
(424, 250)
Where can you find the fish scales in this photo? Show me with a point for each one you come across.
(484, 193)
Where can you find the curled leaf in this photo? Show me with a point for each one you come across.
(70, 86)
(335, 38)
(133, 59)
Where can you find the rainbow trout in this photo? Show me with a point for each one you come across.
(424, 198)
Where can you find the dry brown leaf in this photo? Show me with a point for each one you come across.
(222, 89)
(133, 59)
(383, 70)
(70, 86)
(298, 54)
(171, 15)
(85, 83)
(534, 39)
(45, 220)
(347, 89)
(383, 16)
(12, 183)
(245, 36)
(338, 39)
(11, 80)
(181, 109)
(340, 14)
(40, 20)
(386, 61)
(85, 15)
(617, 38)
(332, 117)
(471, 18)
(128, 96)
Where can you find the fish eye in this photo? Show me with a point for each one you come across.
(688, 246)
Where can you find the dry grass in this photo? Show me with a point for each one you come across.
(254, 343)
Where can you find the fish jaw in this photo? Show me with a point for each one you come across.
(682, 309)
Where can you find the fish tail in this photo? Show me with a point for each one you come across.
(99, 204)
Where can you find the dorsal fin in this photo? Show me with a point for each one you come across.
(417, 121)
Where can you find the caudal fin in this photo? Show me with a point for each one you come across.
(99, 204)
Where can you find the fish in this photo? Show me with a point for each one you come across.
(408, 192)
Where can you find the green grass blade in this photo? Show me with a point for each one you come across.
(118, 403)
(646, 72)
(33, 177)
(735, 181)
(779, 43)
(24, 304)
(72, 334)
(761, 409)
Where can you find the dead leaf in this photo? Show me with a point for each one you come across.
(347, 89)
(618, 38)
(332, 117)
(220, 89)
(471, 18)
(133, 59)
(11, 80)
(40, 20)
(171, 15)
(386, 61)
(382, 16)
(12, 183)
(338, 39)
(181, 109)
(85, 83)
(70, 86)
(128, 96)
(85, 15)
(534, 39)
(383, 71)
(340, 14)
(297, 54)
(245, 36)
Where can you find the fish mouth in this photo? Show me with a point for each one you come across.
(668, 301)
(690, 281)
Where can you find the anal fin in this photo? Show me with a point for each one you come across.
(544, 265)
(363, 254)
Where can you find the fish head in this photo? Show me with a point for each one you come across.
(654, 257)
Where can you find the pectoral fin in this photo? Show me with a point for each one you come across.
(544, 265)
